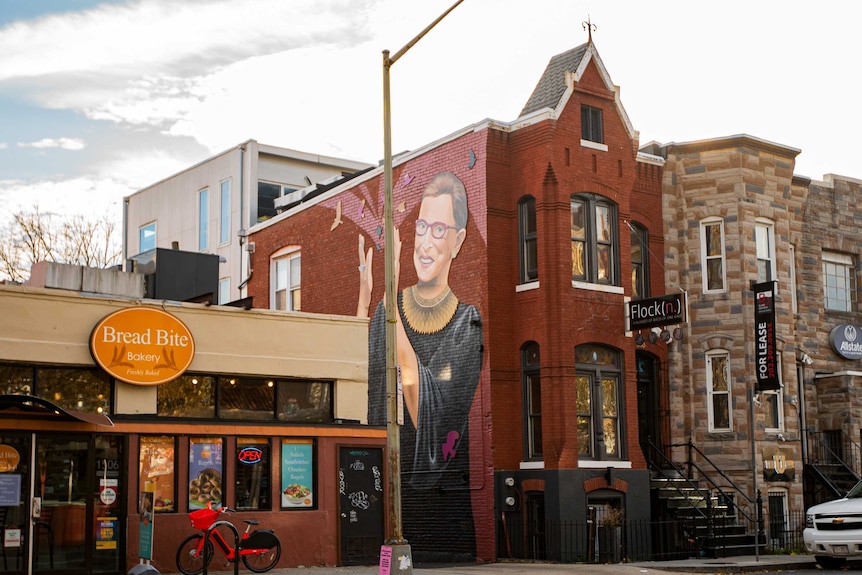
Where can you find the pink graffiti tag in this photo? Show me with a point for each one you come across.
(449, 446)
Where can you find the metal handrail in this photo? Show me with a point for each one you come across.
(670, 463)
(692, 464)
(826, 449)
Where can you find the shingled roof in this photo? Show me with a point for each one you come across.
(552, 85)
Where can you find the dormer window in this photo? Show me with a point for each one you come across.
(591, 125)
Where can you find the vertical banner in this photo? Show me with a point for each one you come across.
(145, 535)
(764, 335)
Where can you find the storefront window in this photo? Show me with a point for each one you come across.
(245, 398)
(252, 473)
(187, 396)
(304, 401)
(17, 380)
(297, 473)
(205, 472)
(86, 390)
(157, 471)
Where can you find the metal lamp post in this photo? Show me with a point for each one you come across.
(397, 551)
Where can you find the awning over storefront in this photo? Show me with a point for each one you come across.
(32, 406)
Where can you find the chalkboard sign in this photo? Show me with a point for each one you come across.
(362, 504)
(10, 490)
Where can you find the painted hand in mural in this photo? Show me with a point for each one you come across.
(366, 281)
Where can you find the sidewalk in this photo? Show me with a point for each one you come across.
(743, 564)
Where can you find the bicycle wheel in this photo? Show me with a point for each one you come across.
(262, 560)
(190, 558)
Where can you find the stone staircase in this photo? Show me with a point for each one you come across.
(711, 524)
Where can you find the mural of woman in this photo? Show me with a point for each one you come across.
(439, 354)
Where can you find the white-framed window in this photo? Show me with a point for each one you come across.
(224, 213)
(147, 237)
(764, 241)
(223, 291)
(839, 281)
(718, 390)
(773, 404)
(285, 280)
(203, 218)
(712, 255)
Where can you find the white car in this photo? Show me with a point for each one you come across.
(833, 530)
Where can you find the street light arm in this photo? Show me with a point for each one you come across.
(410, 44)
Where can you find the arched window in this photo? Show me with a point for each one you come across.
(532, 401)
(594, 240)
(598, 382)
(527, 234)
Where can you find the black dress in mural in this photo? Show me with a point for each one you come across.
(439, 352)
(447, 338)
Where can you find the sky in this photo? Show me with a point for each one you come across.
(99, 99)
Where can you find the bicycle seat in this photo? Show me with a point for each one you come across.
(251, 521)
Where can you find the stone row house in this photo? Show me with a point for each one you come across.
(532, 406)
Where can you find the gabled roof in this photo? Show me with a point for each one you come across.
(557, 83)
(552, 85)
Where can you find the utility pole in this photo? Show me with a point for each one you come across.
(395, 555)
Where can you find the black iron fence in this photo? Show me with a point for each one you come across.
(628, 540)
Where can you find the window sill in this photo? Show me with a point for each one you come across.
(532, 465)
(527, 286)
(594, 145)
(603, 463)
(597, 287)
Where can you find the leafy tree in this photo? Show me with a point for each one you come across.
(36, 236)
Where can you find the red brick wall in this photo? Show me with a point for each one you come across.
(546, 161)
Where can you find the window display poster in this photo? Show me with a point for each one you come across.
(297, 473)
(10, 490)
(205, 472)
(107, 533)
(157, 470)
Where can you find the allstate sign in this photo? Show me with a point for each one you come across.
(845, 341)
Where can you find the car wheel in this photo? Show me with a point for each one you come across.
(828, 562)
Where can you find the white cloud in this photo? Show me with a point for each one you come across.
(3, 145)
(62, 143)
(80, 196)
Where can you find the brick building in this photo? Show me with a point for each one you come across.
(564, 226)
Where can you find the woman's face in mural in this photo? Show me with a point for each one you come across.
(437, 241)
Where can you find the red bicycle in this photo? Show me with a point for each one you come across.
(259, 550)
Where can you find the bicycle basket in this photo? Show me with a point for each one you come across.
(203, 518)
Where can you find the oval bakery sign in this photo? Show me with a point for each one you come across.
(142, 345)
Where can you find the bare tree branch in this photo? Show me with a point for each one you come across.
(36, 236)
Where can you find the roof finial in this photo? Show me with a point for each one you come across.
(589, 27)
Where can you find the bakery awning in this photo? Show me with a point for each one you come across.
(32, 406)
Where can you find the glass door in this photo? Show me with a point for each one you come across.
(80, 483)
(14, 502)
(62, 483)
